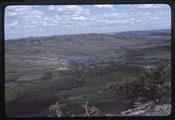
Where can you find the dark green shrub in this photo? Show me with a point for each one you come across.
(150, 85)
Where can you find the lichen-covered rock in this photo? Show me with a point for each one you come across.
(149, 109)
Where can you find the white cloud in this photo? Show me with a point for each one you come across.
(18, 8)
(156, 18)
(43, 23)
(24, 16)
(146, 6)
(79, 18)
(13, 14)
(112, 15)
(22, 12)
(11, 25)
(103, 6)
(68, 15)
(69, 10)
(125, 18)
(111, 20)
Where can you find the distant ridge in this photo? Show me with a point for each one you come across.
(136, 32)
(144, 32)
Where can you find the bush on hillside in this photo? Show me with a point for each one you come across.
(150, 85)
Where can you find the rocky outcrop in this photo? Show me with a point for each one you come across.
(149, 109)
(159, 107)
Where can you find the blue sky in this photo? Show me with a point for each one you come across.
(26, 21)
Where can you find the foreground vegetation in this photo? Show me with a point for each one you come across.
(77, 69)
(150, 85)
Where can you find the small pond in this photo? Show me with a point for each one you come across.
(86, 60)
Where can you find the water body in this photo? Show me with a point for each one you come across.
(152, 60)
(11, 85)
(86, 60)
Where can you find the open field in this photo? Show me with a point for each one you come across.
(75, 69)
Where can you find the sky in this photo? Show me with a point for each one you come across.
(47, 20)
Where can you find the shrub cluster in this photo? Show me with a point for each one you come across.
(150, 85)
(89, 110)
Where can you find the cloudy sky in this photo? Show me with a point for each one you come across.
(26, 21)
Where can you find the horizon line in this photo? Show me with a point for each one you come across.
(86, 33)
